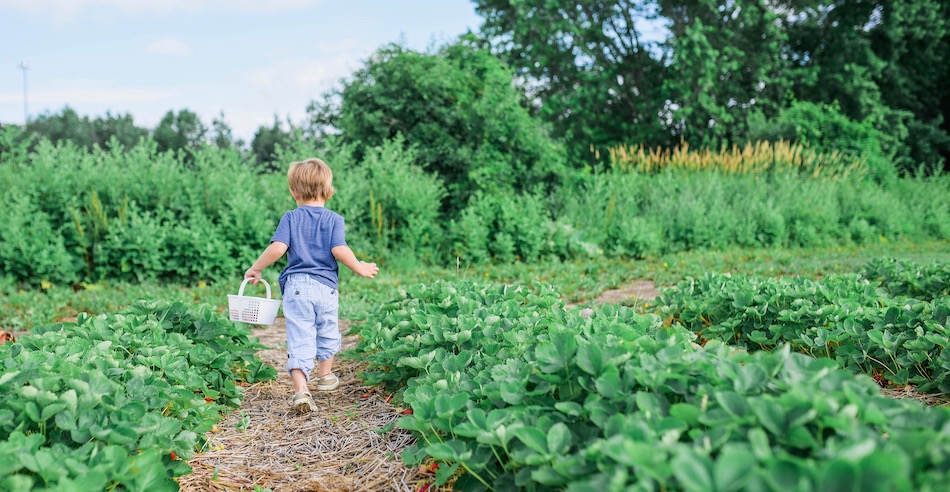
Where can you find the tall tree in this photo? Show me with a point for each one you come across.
(266, 141)
(726, 61)
(598, 79)
(68, 125)
(458, 107)
(884, 61)
(180, 131)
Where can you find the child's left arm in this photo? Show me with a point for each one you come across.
(267, 258)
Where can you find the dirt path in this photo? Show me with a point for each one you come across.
(640, 290)
(336, 448)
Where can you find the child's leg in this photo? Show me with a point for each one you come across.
(299, 313)
(299, 380)
(328, 330)
(325, 367)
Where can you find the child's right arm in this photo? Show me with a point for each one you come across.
(345, 255)
(267, 258)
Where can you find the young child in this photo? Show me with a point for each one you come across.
(314, 240)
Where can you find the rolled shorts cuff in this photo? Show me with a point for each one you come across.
(328, 351)
(306, 366)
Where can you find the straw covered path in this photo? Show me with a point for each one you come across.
(339, 447)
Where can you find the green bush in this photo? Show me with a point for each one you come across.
(824, 128)
(31, 249)
(631, 214)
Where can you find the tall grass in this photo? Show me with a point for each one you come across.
(754, 158)
(633, 214)
(74, 215)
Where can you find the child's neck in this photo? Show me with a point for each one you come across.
(311, 203)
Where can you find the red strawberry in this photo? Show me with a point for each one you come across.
(173, 456)
(407, 411)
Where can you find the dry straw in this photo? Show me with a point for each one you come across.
(753, 159)
(264, 444)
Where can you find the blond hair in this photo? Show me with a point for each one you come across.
(310, 179)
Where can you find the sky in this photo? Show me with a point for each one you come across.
(250, 60)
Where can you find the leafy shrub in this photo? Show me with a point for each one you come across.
(825, 129)
(509, 228)
(631, 214)
(30, 248)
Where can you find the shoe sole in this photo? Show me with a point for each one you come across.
(304, 407)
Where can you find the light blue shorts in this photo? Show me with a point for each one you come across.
(313, 332)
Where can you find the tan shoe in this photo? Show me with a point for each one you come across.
(328, 382)
(303, 403)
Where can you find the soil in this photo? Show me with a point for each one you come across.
(640, 290)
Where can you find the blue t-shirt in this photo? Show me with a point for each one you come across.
(311, 233)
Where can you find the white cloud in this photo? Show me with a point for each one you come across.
(169, 46)
(312, 76)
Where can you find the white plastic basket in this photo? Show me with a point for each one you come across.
(253, 310)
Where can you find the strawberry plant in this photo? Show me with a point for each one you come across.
(112, 402)
(845, 318)
(521, 394)
(904, 278)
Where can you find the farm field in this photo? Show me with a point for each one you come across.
(535, 405)
(642, 246)
(577, 282)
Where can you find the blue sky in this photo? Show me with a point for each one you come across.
(250, 60)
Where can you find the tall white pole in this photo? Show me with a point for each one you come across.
(24, 65)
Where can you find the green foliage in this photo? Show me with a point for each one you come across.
(641, 215)
(30, 248)
(842, 318)
(506, 384)
(180, 132)
(508, 228)
(825, 129)
(113, 402)
(609, 72)
(68, 126)
(726, 60)
(905, 278)
(458, 108)
(598, 78)
(134, 214)
(265, 144)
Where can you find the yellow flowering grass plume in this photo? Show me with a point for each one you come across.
(754, 158)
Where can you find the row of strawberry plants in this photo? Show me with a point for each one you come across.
(846, 318)
(510, 391)
(117, 401)
(910, 279)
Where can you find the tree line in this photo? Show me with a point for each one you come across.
(544, 86)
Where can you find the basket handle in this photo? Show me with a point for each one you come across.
(244, 283)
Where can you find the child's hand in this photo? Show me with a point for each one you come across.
(368, 270)
(254, 275)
